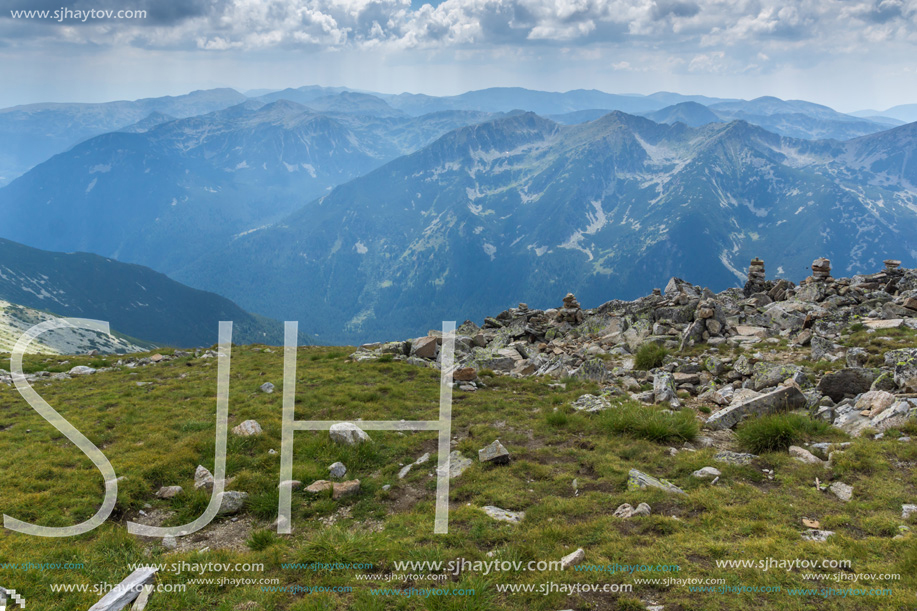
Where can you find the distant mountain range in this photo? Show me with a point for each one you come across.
(164, 196)
(364, 216)
(524, 209)
(33, 133)
(134, 300)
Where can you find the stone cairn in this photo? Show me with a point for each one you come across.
(756, 279)
(571, 312)
(821, 270)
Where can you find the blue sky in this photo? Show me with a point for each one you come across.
(849, 54)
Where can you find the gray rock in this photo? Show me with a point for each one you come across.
(624, 511)
(907, 511)
(404, 471)
(169, 492)
(786, 398)
(841, 491)
(637, 480)
(591, 403)
(495, 453)
(734, 458)
(706, 473)
(856, 357)
(337, 470)
(169, 542)
(348, 433)
(267, 388)
(664, 389)
(572, 559)
(203, 478)
(905, 370)
(803, 455)
(847, 382)
(819, 536)
(248, 429)
(768, 375)
(82, 370)
(457, 464)
(504, 515)
(642, 510)
(232, 502)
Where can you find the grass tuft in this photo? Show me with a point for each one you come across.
(777, 432)
(649, 356)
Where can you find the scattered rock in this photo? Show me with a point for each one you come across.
(572, 559)
(637, 480)
(841, 491)
(82, 370)
(348, 433)
(267, 388)
(457, 464)
(734, 458)
(907, 511)
(803, 455)
(232, 502)
(495, 454)
(345, 489)
(591, 403)
(337, 470)
(706, 473)
(504, 515)
(203, 478)
(169, 492)
(820, 536)
(248, 429)
(319, 486)
(848, 382)
(782, 399)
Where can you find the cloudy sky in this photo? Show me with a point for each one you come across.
(849, 54)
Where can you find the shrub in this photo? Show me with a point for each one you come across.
(649, 356)
(261, 540)
(778, 432)
(557, 418)
(857, 327)
(650, 423)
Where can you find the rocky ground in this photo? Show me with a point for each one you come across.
(769, 347)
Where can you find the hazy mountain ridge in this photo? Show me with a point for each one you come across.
(134, 300)
(524, 209)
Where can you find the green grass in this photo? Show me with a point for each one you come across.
(155, 435)
(649, 356)
(650, 423)
(777, 432)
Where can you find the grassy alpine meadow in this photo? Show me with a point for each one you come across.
(568, 473)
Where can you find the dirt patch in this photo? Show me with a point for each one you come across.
(405, 498)
(219, 534)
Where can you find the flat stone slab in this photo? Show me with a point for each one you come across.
(637, 480)
(734, 458)
(504, 515)
(127, 591)
(893, 323)
(782, 399)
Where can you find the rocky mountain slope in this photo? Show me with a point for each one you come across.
(524, 208)
(16, 320)
(134, 300)
(735, 355)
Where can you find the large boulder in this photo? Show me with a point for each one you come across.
(847, 382)
(782, 399)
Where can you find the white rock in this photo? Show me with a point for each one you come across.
(706, 473)
(503, 515)
(841, 491)
(907, 511)
(247, 429)
(203, 478)
(337, 470)
(572, 559)
(803, 455)
(348, 433)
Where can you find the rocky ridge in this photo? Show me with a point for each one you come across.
(771, 346)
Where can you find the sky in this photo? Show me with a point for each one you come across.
(847, 54)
